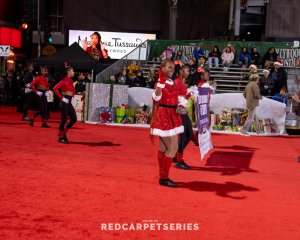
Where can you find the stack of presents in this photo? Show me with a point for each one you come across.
(232, 120)
(118, 110)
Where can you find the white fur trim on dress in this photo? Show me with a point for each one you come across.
(167, 133)
(156, 98)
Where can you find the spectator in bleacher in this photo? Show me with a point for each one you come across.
(227, 58)
(198, 52)
(281, 96)
(192, 66)
(151, 78)
(140, 80)
(202, 63)
(255, 56)
(253, 70)
(244, 58)
(266, 84)
(270, 56)
(181, 57)
(169, 50)
(132, 70)
(214, 57)
(123, 78)
(280, 77)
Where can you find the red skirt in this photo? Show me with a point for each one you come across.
(166, 122)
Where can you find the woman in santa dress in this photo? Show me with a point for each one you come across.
(166, 122)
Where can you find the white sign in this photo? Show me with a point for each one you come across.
(205, 143)
(4, 51)
(117, 44)
(296, 44)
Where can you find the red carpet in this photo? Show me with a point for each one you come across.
(248, 188)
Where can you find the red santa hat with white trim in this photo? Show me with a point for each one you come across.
(278, 62)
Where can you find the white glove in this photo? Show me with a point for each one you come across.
(65, 100)
(182, 101)
(47, 93)
(27, 85)
(39, 93)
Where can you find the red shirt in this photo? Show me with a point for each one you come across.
(169, 94)
(65, 85)
(181, 86)
(39, 81)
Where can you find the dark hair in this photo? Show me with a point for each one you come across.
(98, 46)
(165, 62)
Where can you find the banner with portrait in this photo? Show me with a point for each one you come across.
(117, 44)
(202, 115)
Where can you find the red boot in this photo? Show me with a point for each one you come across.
(164, 168)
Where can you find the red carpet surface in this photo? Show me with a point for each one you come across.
(246, 188)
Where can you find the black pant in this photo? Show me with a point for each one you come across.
(41, 102)
(29, 99)
(187, 135)
(67, 110)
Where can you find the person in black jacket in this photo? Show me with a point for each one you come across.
(255, 56)
(280, 77)
(266, 84)
(270, 56)
(29, 97)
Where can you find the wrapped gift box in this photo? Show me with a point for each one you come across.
(238, 116)
(106, 114)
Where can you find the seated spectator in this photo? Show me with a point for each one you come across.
(169, 50)
(214, 57)
(192, 66)
(198, 52)
(140, 80)
(152, 78)
(132, 70)
(281, 96)
(266, 84)
(255, 56)
(227, 57)
(270, 56)
(123, 78)
(280, 77)
(202, 63)
(244, 57)
(179, 56)
(253, 70)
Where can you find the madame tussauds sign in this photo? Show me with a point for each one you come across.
(116, 43)
(289, 57)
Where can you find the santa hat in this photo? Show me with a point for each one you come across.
(278, 62)
(253, 66)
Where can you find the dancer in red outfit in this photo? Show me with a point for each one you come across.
(166, 122)
(67, 92)
(40, 87)
(187, 135)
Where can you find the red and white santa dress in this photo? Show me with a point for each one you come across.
(166, 121)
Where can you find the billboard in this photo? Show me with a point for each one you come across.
(117, 44)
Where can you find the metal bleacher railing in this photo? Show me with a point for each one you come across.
(139, 54)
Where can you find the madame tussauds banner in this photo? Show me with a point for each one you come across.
(118, 44)
(288, 52)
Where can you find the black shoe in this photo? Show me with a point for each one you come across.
(65, 137)
(63, 140)
(182, 165)
(168, 183)
(174, 160)
(45, 125)
(29, 120)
